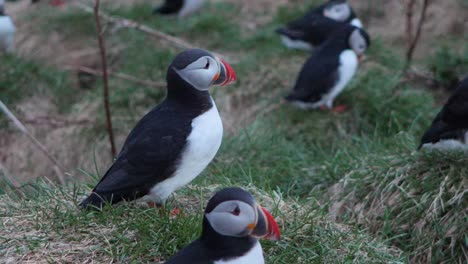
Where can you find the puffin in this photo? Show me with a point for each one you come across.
(173, 142)
(317, 25)
(51, 2)
(181, 8)
(449, 130)
(329, 69)
(7, 31)
(232, 224)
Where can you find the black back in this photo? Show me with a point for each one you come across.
(153, 148)
(452, 120)
(314, 27)
(212, 246)
(320, 72)
(169, 7)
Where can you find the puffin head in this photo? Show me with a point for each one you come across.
(338, 10)
(2, 8)
(201, 69)
(359, 40)
(233, 212)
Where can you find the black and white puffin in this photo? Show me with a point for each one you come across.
(175, 141)
(317, 25)
(327, 72)
(181, 8)
(449, 130)
(231, 225)
(7, 31)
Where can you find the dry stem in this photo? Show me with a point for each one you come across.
(105, 77)
(57, 167)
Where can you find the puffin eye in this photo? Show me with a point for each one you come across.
(207, 65)
(236, 211)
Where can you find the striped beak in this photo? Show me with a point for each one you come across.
(226, 74)
(266, 227)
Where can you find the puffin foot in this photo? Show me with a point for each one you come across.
(57, 2)
(339, 109)
(154, 205)
(174, 212)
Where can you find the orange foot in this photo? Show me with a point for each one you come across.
(175, 212)
(154, 205)
(339, 109)
(57, 2)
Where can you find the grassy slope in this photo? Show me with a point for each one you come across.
(381, 185)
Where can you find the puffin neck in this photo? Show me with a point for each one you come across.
(181, 91)
(337, 42)
(225, 246)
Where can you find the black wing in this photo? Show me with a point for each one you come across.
(452, 120)
(195, 253)
(169, 7)
(318, 75)
(455, 112)
(149, 156)
(314, 29)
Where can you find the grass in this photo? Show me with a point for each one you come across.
(346, 188)
(133, 233)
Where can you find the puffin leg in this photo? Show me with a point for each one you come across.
(339, 109)
(154, 205)
(57, 2)
(174, 212)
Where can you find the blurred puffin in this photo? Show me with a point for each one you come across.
(317, 25)
(231, 225)
(449, 130)
(52, 2)
(181, 8)
(175, 141)
(327, 72)
(7, 31)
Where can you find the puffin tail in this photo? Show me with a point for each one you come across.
(290, 33)
(93, 202)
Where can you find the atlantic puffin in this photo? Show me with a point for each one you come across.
(231, 225)
(449, 130)
(7, 31)
(317, 25)
(327, 72)
(175, 141)
(181, 8)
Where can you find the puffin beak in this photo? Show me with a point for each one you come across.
(226, 74)
(266, 226)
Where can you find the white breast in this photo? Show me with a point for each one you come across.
(346, 71)
(7, 34)
(449, 144)
(190, 6)
(254, 256)
(357, 23)
(202, 145)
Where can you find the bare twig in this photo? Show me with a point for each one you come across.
(414, 42)
(409, 20)
(56, 123)
(105, 77)
(117, 75)
(121, 22)
(57, 167)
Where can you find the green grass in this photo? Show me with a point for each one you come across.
(133, 233)
(345, 188)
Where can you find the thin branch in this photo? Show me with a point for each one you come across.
(119, 75)
(57, 167)
(409, 21)
(414, 43)
(121, 22)
(102, 48)
(56, 123)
